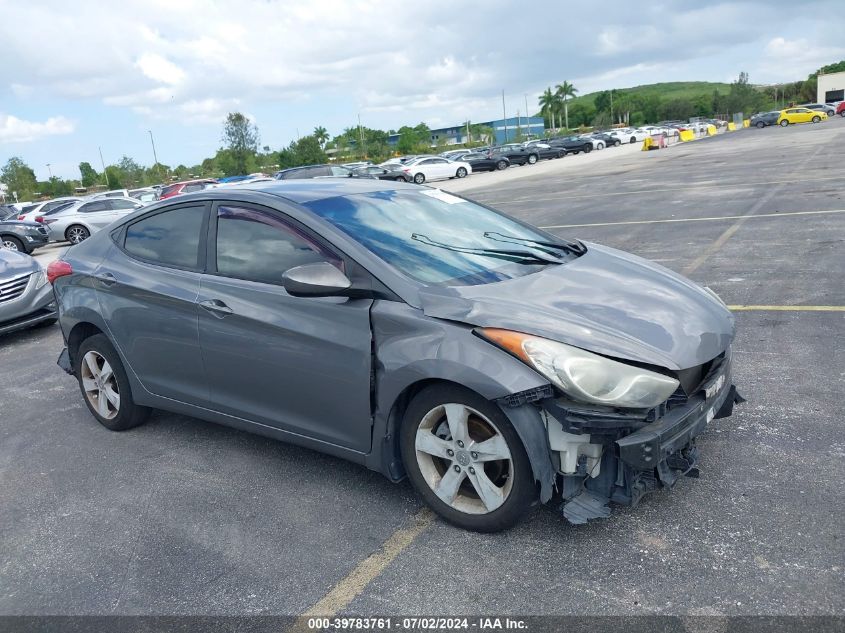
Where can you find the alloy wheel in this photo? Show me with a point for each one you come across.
(100, 385)
(464, 458)
(76, 234)
(10, 245)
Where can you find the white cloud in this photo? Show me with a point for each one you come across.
(160, 69)
(15, 130)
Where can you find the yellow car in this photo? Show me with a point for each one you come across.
(800, 115)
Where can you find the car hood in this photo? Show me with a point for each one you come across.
(605, 301)
(13, 264)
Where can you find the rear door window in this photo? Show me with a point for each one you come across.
(171, 238)
(93, 207)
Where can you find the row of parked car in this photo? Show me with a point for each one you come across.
(808, 113)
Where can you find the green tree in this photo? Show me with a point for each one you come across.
(55, 187)
(131, 173)
(240, 138)
(548, 104)
(90, 177)
(114, 177)
(563, 92)
(19, 177)
(321, 135)
(308, 151)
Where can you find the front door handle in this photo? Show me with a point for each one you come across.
(216, 307)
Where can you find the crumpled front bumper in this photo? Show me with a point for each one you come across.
(638, 454)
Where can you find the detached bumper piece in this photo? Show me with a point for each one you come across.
(639, 456)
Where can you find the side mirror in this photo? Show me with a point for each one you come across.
(316, 280)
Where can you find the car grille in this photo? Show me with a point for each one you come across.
(13, 288)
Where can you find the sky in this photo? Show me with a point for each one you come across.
(79, 77)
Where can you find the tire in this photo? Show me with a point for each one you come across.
(419, 178)
(401, 179)
(532, 159)
(816, 119)
(784, 123)
(760, 124)
(599, 145)
(633, 140)
(77, 233)
(508, 482)
(461, 173)
(13, 244)
(617, 143)
(501, 165)
(587, 149)
(94, 383)
(842, 114)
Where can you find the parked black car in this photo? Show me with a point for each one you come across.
(22, 236)
(391, 171)
(517, 154)
(762, 119)
(317, 171)
(486, 162)
(573, 144)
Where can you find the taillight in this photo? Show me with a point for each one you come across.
(40, 218)
(21, 217)
(58, 268)
(49, 220)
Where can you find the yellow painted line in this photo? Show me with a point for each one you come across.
(744, 308)
(368, 570)
(714, 247)
(709, 219)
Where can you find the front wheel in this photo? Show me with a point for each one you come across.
(588, 149)
(760, 124)
(13, 244)
(633, 140)
(532, 158)
(784, 123)
(465, 459)
(816, 119)
(617, 143)
(600, 146)
(401, 179)
(105, 387)
(842, 114)
(461, 173)
(419, 178)
(76, 234)
(501, 165)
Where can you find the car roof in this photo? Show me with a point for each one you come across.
(304, 191)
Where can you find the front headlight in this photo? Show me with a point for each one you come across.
(585, 376)
(40, 279)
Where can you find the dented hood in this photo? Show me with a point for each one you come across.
(605, 301)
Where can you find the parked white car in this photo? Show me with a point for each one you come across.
(78, 222)
(40, 208)
(114, 193)
(597, 142)
(629, 135)
(434, 168)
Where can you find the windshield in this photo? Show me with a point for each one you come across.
(385, 221)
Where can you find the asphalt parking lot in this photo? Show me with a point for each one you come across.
(183, 517)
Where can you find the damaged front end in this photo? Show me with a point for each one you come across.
(605, 455)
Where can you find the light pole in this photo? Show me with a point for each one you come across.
(103, 163)
(153, 143)
(504, 116)
(527, 120)
(50, 171)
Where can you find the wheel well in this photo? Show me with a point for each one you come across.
(79, 333)
(392, 457)
(73, 225)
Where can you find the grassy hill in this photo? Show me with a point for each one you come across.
(665, 90)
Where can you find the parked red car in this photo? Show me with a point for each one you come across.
(186, 186)
(840, 109)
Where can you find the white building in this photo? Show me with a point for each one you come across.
(831, 87)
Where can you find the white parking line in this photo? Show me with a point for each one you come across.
(710, 219)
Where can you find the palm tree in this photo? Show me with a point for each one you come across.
(563, 92)
(548, 103)
(321, 135)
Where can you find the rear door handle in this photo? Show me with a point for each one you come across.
(105, 278)
(216, 307)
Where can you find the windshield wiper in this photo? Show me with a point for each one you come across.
(519, 257)
(576, 248)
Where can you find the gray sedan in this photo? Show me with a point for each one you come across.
(408, 330)
(25, 297)
(78, 221)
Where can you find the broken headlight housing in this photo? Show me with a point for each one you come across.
(583, 375)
